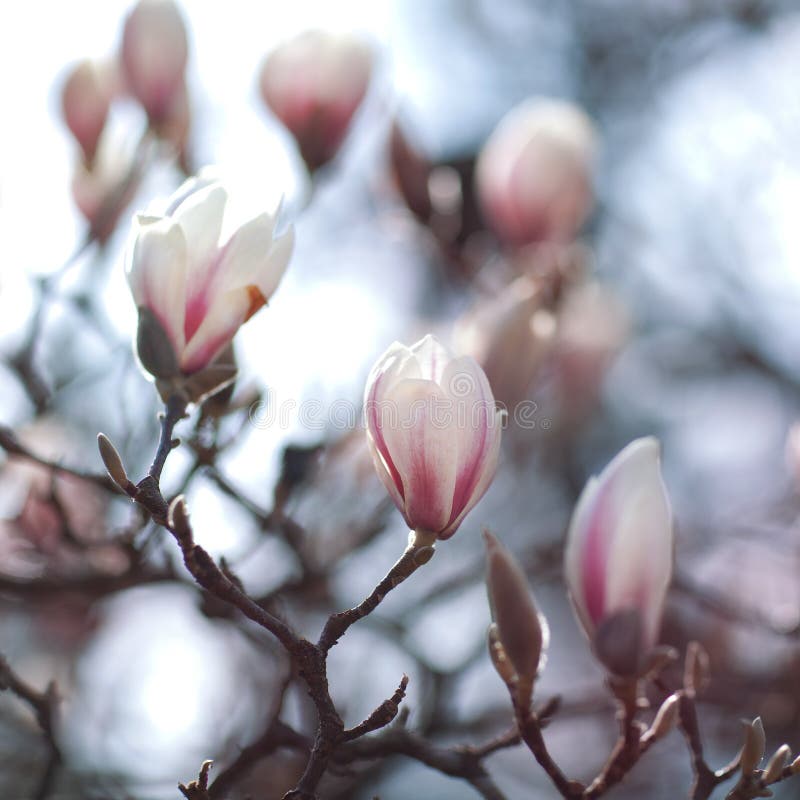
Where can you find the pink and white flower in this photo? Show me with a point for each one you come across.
(314, 83)
(434, 433)
(155, 50)
(85, 102)
(533, 175)
(618, 558)
(198, 290)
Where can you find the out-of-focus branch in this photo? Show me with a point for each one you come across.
(11, 444)
(45, 706)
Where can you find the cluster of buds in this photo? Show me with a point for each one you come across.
(314, 84)
(617, 565)
(754, 781)
(151, 69)
(194, 292)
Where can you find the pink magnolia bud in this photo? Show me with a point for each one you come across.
(434, 433)
(534, 173)
(154, 54)
(314, 84)
(510, 336)
(85, 101)
(618, 559)
(194, 293)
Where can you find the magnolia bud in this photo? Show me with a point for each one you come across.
(776, 764)
(534, 173)
(314, 84)
(754, 746)
(500, 659)
(112, 461)
(434, 433)
(178, 516)
(618, 559)
(194, 291)
(509, 336)
(521, 629)
(85, 101)
(154, 54)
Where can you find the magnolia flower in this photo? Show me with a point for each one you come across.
(314, 84)
(154, 54)
(534, 173)
(194, 293)
(618, 559)
(434, 433)
(85, 102)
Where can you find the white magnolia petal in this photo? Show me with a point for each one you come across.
(486, 472)
(200, 215)
(478, 429)
(157, 273)
(577, 534)
(396, 364)
(424, 453)
(253, 258)
(384, 472)
(640, 558)
(432, 357)
(223, 318)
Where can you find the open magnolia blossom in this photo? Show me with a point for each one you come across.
(533, 175)
(434, 433)
(314, 83)
(193, 293)
(618, 560)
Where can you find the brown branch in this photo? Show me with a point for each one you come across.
(381, 716)
(419, 551)
(277, 736)
(44, 705)
(706, 779)
(530, 730)
(309, 659)
(463, 762)
(628, 749)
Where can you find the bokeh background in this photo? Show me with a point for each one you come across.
(695, 239)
